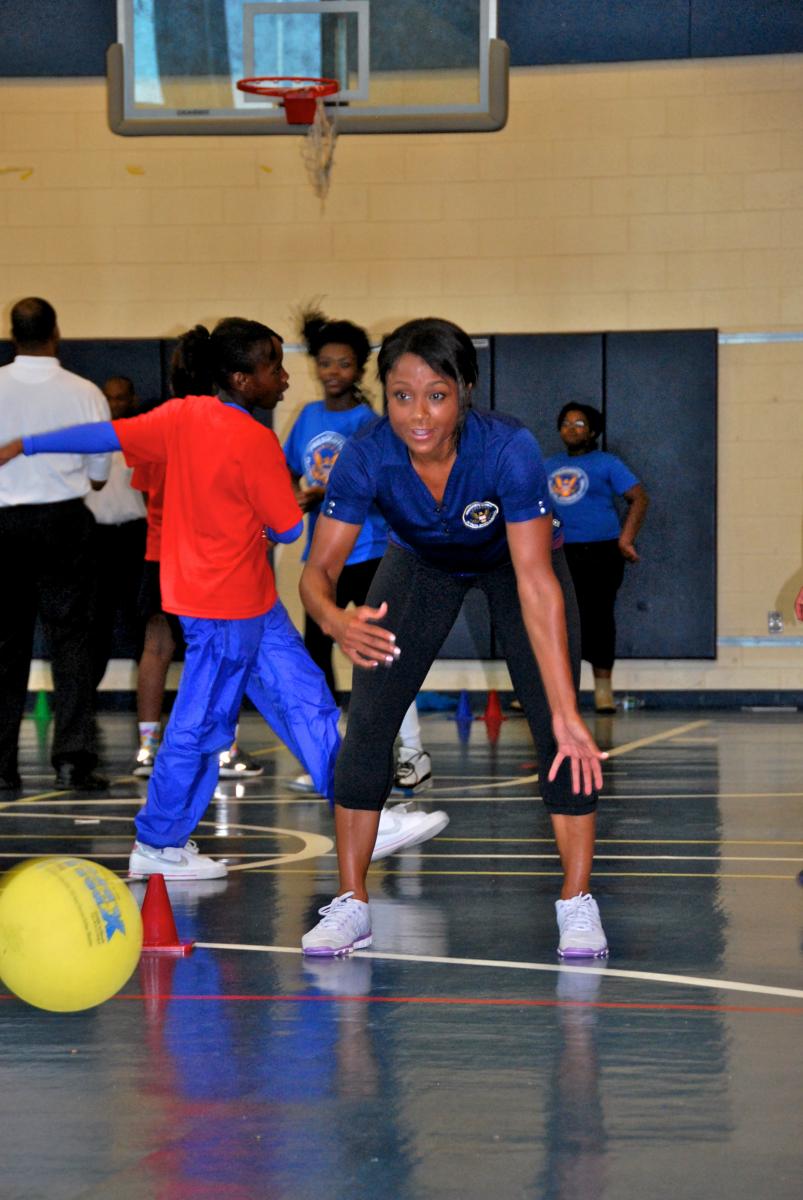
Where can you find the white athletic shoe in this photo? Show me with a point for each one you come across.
(413, 770)
(302, 784)
(399, 829)
(143, 763)
(174, 862)
(581, 932)
(346, 926)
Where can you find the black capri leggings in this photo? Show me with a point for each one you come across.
(352, 588)
(597, 570)
(423, 603)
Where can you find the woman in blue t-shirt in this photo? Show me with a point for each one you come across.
(340, 351)
(466, 498)
(585, 484)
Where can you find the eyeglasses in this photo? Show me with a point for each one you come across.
(578, 424)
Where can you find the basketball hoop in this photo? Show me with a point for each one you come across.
(302, 99)
(298, 93)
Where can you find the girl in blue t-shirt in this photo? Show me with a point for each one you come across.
(340, 351)
(585, 483)
(466, 499)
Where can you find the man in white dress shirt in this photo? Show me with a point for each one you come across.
(45, 546)
(119, 545)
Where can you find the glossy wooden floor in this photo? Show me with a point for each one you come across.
(456, 1059)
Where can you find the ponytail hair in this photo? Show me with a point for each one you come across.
(203, 362)
(318, 331)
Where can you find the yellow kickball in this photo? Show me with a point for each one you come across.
(70, 933)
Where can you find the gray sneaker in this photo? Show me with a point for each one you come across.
(346, 926)
(581, 932)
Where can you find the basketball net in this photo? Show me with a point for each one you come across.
(318, 150)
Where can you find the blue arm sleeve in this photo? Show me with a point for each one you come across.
(97, 438)
(291, 535)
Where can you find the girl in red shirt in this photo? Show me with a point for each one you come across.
(227, 490)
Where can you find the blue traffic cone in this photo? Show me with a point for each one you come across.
(464, 712)
(464, 729)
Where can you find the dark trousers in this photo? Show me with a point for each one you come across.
(352, 588)
(46, 552)
(423, 605)
(597, 570)
(119, 552)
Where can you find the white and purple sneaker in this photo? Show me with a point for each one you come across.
(581, 932)
(346, 926)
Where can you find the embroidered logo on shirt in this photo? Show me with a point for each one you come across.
(480, 514)
(568, 484)
(320, 455)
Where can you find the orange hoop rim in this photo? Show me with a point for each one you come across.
(300, 86)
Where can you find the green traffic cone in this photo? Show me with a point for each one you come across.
(41, 710)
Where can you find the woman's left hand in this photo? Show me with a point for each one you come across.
(576, 744)
(628, 550)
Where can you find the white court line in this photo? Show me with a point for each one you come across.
(726, 985)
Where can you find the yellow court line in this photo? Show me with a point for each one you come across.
(620, 794)
(472, 787)
(636, 841)
(75, 835)
(656, 737)
(552, 874)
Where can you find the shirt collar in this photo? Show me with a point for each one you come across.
(34, 368)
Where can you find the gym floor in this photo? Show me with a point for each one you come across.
(457, 1058)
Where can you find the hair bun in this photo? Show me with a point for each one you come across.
(312, 322)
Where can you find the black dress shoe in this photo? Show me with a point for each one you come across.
(70, 778)
(10, 788)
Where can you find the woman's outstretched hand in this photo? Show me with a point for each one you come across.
(10, 450)
(364, 642)
(576, 744)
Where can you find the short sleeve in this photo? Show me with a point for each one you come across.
(142, 477)
(145, 439)
(351, 489)
(99, 465)
(293, 448)
(622, 478)
(268, 484)
(521, 481)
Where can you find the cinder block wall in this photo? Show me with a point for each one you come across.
(618, 197)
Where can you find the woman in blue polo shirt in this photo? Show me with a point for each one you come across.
(466, 500)
(585, 483)
(340, 350)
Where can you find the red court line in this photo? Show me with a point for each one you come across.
(477, 1002)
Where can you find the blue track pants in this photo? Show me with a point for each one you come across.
(264, 658)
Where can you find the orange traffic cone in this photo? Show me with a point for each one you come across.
(492, 728)
(493, 710)
(159, 933)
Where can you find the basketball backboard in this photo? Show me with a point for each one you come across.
(404, 65)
